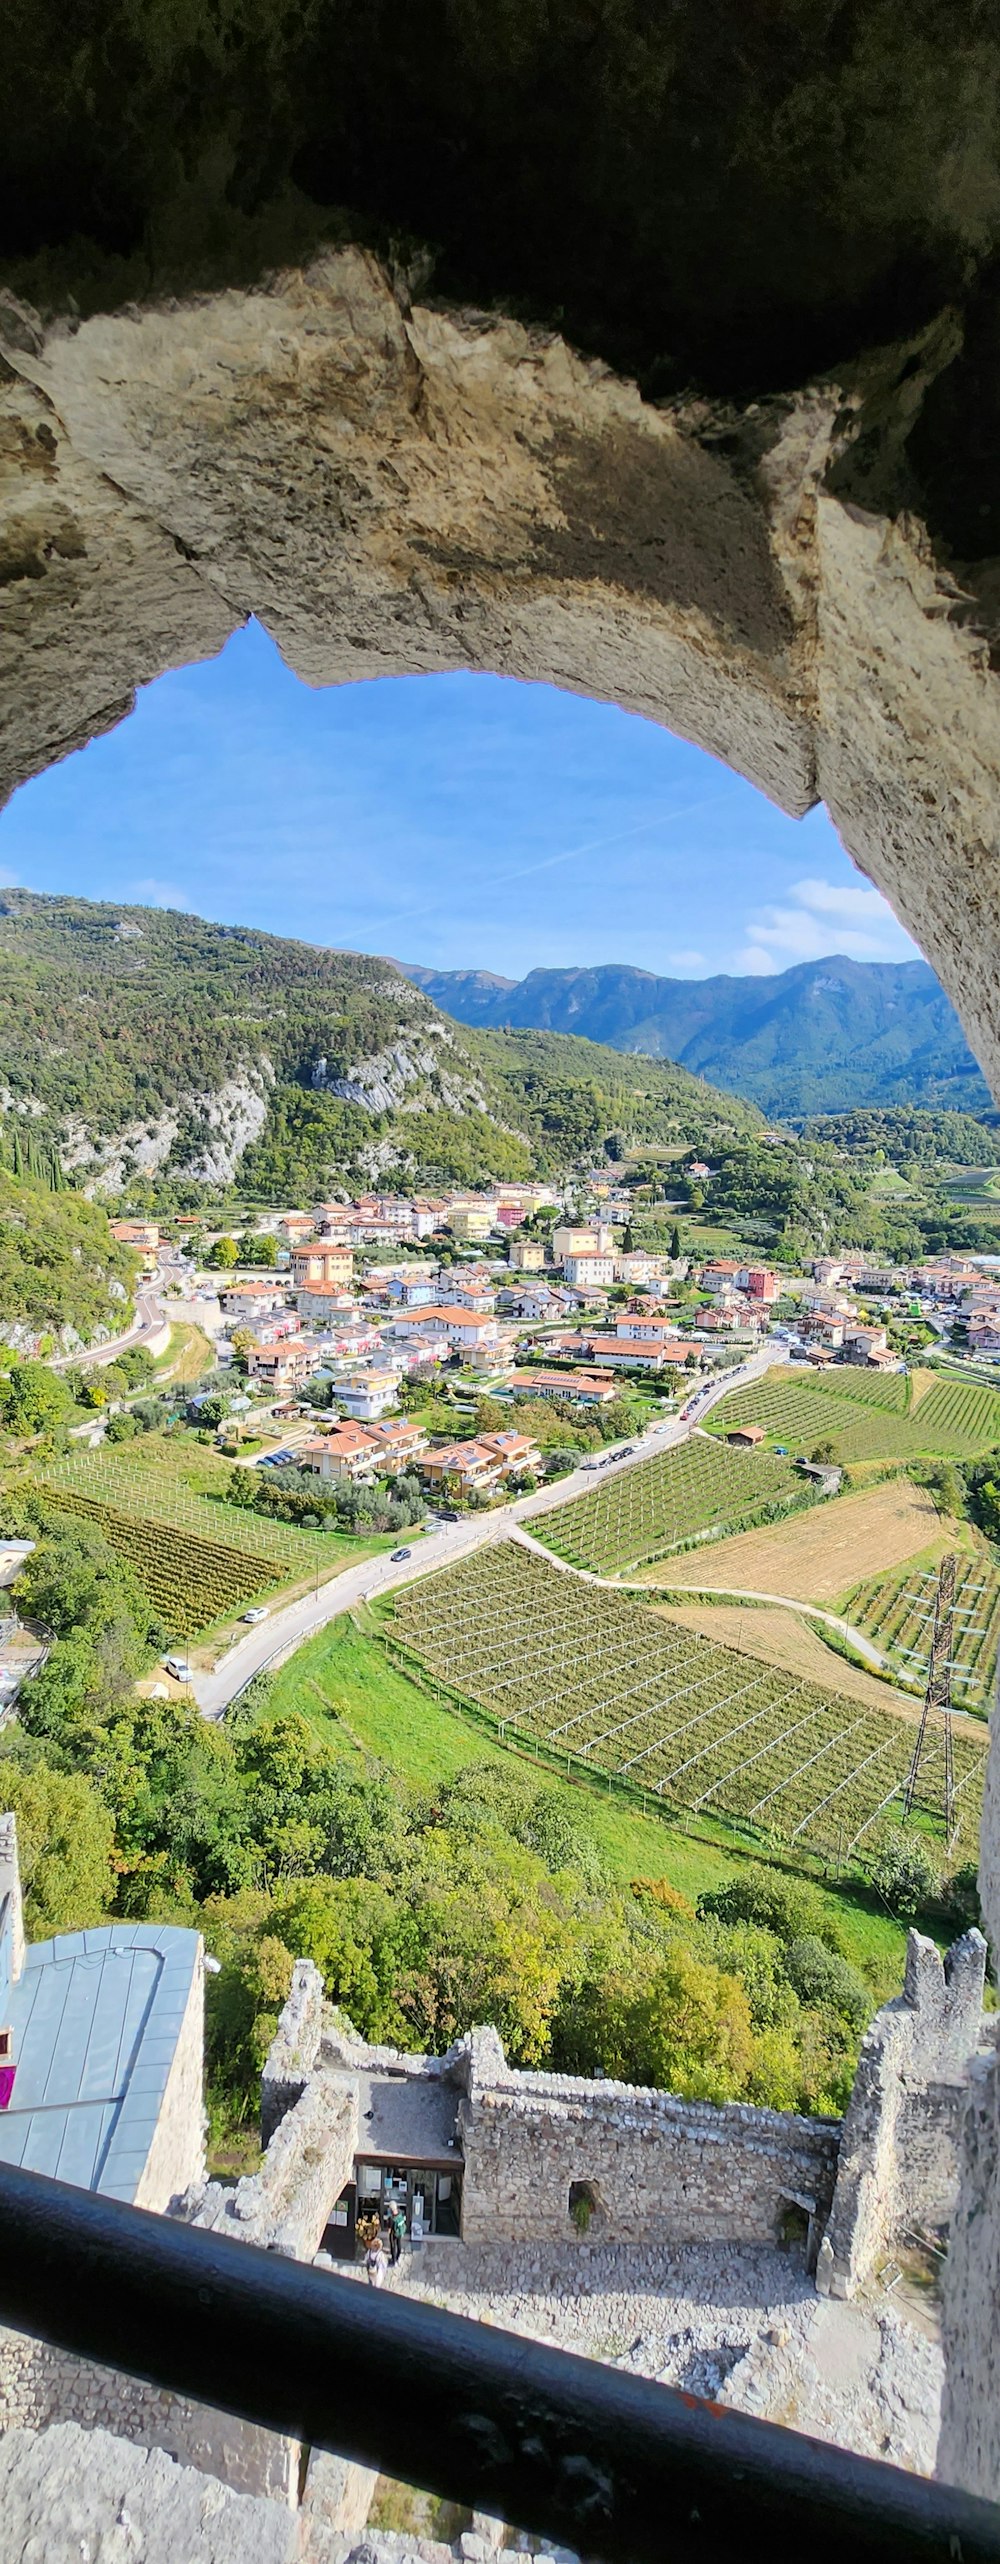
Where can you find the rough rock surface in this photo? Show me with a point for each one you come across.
(392, 487)
(744, 2327)
(82, 2497)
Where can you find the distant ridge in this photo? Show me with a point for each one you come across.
(822, 1037)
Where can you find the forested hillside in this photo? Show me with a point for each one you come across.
(818, 1038)
(60, 1267)
(147, 1044)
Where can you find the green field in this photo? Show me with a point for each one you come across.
(701, 1489)
(954, 1418)
(897, 1612)
(589, 1678)
(365, 1706)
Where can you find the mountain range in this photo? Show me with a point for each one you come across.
(822, 1037)
(138, 1045)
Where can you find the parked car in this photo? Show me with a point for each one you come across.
(277, 1460)
(447, 1513)
(257, 1611)
(177, 1666)
(396, 1556)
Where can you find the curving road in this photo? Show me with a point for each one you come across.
(285, 1629)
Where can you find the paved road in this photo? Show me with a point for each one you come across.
(150, 1313)
(277, 1638)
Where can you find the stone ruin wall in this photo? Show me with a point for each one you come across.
(899, 2143)
(660, 2169)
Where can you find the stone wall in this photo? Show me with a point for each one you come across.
(898, 2154)
(39, 2386)
(656, 2168)
(294, 2049)
(176, 2158)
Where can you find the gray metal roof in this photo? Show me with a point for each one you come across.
(407, 2118)
(95, 2018)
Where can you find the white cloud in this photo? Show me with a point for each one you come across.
(828, 917)
(684, 961)
(8, 880)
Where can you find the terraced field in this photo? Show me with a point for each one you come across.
(700, 1490)
(189, 1581)
(954, 1418)
(155, 1493)
(594, 1679)
(897, 1612)
(198, 1559)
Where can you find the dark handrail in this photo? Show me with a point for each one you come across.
(608, 2464)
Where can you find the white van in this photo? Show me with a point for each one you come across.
(178, 1666)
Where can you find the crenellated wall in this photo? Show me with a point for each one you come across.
(899, 2145)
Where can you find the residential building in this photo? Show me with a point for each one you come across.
(463, 1328)
(318, 1303)
(642, 1328)
(367, 1394)
(472, 1467)
(589, 1272)
(636, 1267)
(472, 1220)
(473, 1291)
(823, 1328)
(414, 1290)
(247, 1301)
(533, 1302)
(526, 1255)
(861, 1342)
(516, 1450)
(399, 1442)
(984, 1333)
(615, 1354)
(587, 1237)
(282, 1366)
(721, 1273)
(296, 1225)
(583, 1388)
(332, 1265)
(758, 1282)
(348, 1452)
(143, 1235)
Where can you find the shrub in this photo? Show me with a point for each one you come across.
(826, 1982)
(904, 1876)
(791, 1908)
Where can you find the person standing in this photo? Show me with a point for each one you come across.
(375, 2263)
(397, 2234)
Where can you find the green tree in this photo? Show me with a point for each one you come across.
(224, 1254)
(65, 1840)
(904, 1876)
(675, 1242)
(34, 1399)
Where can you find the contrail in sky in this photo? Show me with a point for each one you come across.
(570, 854)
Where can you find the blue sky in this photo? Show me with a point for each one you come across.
(455, 820)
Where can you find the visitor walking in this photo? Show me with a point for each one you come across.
(397, 2235)
(376, 2264)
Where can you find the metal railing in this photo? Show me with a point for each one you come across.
(608, 2464)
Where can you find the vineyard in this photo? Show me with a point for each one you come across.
(592, 1678)
(152, 1493)
(197, 1558)
(897, 1612)
(954, 1418)
(190, 1582)
(700, 1489)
